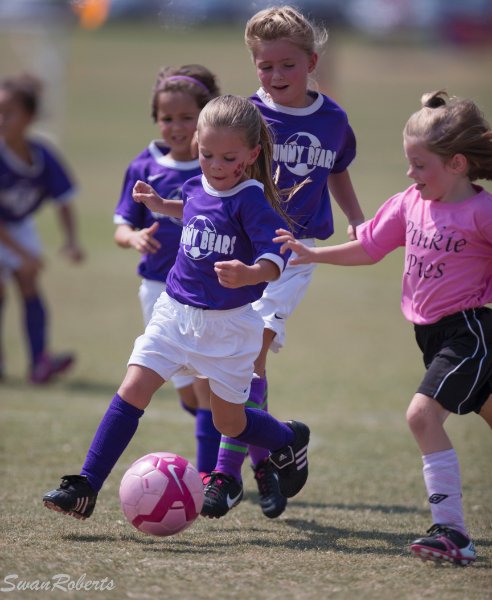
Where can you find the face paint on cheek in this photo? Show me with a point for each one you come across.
(239, 170)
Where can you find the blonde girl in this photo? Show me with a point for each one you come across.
(314, 146)
(204, 322)
(444, 221)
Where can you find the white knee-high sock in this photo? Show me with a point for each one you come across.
(443, 482)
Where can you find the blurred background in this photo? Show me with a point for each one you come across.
(99, 60)
(38, 33)
(350, 363)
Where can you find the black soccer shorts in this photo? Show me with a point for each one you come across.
(457, 353)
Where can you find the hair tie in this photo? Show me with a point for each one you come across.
(187, 78)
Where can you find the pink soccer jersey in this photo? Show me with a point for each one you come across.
(448, 251)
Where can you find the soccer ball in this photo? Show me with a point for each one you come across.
(161, 494)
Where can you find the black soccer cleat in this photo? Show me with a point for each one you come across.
(271, 500)
(74, 497)
(291, 463)
(222, 492)
(444, 544)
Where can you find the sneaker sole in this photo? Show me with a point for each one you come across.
(425, 553)
(55, 508)
(276, 513)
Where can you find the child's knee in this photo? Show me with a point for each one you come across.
(227, 427)
(139, 386)
(416, 414)
(422, 413)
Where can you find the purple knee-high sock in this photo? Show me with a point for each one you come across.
(265, 431)
(113, 435)
(208, 441)
(188, 409)
(232, 452)
(35, 318)
(260, 396)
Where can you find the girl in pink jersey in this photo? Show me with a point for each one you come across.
(444, 221)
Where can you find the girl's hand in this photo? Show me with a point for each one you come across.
(352, 229)
(145, 193)
(233, 273)
(144, 241)
(304, 255)
(73, 252)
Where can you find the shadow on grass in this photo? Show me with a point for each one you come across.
(71, 385)
(381, 508)
(91, 387)
(313, 537)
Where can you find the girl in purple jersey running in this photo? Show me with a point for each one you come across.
(444, 222)
(178, 96)
(313, 148)
(204, 322)
(31, 173)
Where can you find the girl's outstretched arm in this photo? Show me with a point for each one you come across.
(350, 254)
(145, 193)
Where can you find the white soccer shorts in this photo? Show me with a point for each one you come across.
(282, 296)
(24, 233)
(148, 294)
(221, 345)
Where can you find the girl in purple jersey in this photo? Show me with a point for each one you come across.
(30, 174)
(204, 322)
(444, 222)
(313, 148)
(178, 96)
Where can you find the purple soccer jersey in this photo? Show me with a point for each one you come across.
(166, 176)
(309, 144)
(24, 187)
(219, 226)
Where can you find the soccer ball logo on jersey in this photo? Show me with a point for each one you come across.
(199, 239)
(302, 153)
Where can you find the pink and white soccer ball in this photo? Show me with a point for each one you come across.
(161, 494)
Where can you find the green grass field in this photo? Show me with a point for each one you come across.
(349, 368)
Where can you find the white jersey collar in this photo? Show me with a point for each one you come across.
(237, 188)
(158, 149)
(19, 166)
(300, 112)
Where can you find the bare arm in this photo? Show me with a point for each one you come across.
(71, 246)
(350, 254)
(145, 193)
(234, 273)
(142, 240)
(343, 192)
